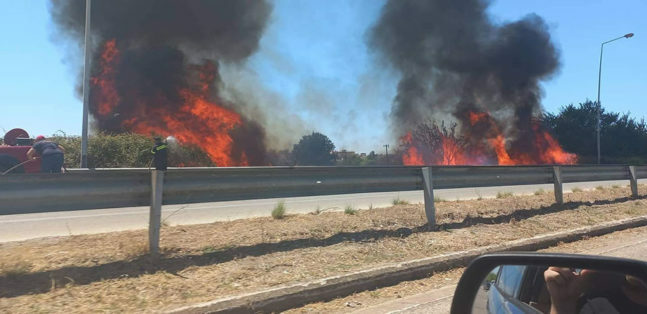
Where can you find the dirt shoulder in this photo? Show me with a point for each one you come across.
(402, 291)
(110, 272)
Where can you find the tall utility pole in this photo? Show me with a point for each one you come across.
(599, 107)
(386, 147)
(86, 86)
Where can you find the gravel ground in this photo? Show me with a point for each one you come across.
(111, 272)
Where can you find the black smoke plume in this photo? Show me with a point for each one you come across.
(454, 59)
(165, 47)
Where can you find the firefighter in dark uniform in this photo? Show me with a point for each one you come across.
(50, 153)
(160, 154)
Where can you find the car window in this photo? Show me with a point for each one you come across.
(510, 278)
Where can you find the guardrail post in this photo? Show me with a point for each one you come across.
(430, 207)
(633, 181)
(157, 186)
(557, 181)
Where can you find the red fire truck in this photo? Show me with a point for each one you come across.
(13, 153)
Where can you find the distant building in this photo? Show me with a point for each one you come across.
(343, 154)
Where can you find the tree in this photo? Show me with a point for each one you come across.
(622, 138)
(315, 149)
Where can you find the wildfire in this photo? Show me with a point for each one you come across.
(198, 119)
(411, 155)
(435, 146)
(104, 92)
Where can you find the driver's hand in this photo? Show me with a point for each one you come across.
(565, 287)
(636, 290)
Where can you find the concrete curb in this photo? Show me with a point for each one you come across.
(286, 297)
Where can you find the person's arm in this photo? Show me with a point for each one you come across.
(30, 153)
(61, 148)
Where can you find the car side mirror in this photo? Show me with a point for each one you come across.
(529, 282)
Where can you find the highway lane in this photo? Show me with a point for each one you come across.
(623, 244)
(63, 223)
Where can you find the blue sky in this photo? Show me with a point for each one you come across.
(314, 58)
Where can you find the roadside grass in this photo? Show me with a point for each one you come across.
(540, 192)
(279, 210)
(398, 201)
(615, 186)
(439, 199)
(134, 251)
(576, 189)
(203, 262)
(501, 195)
(349, 210)
(15, 267)
(599, 188)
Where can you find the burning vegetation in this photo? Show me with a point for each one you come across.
(457, 65)
(155, 70)
(433, 144)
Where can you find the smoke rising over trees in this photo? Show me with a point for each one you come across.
(453, 60)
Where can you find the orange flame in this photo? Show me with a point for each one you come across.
(411, 156)
(553, 152)
(545, 149)
(197, 120)
(103, 85)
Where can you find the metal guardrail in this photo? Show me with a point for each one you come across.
(106, 188)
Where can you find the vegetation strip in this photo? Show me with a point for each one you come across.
(112, 272)
(283, 298)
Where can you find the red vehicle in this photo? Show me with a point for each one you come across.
(13, 153)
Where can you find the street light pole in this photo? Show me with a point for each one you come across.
(386, 148)
(86, 86)
(599, 106)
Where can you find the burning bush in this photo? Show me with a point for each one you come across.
(455, 61)
(480, 143)
(158, 73)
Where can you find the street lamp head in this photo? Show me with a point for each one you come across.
(629, 35)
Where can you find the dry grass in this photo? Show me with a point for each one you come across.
(398, 201)
(380, 296)
(15, 268)
(540, 192)
(110, 272)
(504, 194)
(364, 299)
(576, 190)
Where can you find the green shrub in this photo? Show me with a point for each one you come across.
(279, 210)
(349, 210)
(504, 194)
(398, 201)
(127, 150)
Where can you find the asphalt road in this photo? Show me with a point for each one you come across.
(27, 226)
(625, 245)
